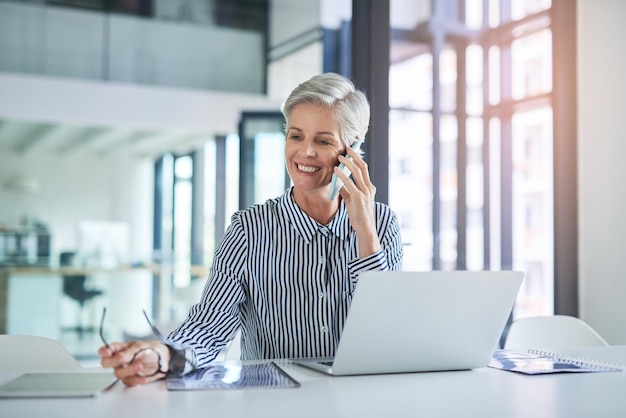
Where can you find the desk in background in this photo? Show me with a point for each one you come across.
(32, 300)
(483, 393)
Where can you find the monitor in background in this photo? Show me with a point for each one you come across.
(102, 244)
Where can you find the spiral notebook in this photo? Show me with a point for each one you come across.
(546, 362)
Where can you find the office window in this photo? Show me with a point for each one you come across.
(175, 226)
(174, 177)
(471, 139)
(221, 191)
(210, 204)
(262, 158)
(195, 196)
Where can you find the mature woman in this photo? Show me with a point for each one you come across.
(286, 270)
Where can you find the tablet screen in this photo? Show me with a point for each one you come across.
(234, 376)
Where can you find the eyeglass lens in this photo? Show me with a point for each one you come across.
(148, 362)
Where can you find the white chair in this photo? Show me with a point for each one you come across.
(558, 331)
(28, 353)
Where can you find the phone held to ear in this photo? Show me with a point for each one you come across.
(336, 183)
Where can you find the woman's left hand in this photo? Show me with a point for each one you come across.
(358, 194)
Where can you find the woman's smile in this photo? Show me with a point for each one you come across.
(307, 168)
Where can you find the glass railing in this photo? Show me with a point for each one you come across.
(76, 43)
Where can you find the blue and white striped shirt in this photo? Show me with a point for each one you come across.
(285, 280)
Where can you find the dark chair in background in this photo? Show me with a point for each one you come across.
(74, 286)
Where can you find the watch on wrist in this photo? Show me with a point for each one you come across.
(177, 362)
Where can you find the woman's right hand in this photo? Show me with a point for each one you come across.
(136, 362)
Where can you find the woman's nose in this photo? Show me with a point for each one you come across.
(308, 149)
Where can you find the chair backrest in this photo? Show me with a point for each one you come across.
(66, 258)
(557, 331)
(29, 353)
(74, 285)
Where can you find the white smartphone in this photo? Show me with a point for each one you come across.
(336, 183)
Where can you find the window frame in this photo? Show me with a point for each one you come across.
(562, 99)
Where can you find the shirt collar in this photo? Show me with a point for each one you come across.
(306, 226)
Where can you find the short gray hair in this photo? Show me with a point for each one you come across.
(334, 91)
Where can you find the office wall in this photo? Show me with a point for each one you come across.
(602, 158)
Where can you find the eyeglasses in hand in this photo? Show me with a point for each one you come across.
(148, 358)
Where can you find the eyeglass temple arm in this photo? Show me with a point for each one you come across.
(180, 350)
(106, 344)
(154, 329)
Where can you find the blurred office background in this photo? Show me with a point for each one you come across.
(130, 131)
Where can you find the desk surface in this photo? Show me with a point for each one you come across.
(475, 393)
(195, 270)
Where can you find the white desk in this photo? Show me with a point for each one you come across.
(480, 393)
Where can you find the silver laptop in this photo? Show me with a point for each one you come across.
(422, 321)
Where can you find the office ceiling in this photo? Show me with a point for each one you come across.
(27, 138)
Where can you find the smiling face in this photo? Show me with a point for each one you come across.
(312, 145)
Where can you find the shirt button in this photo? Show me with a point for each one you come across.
(324, 329)
(321, 294)
(322, 260)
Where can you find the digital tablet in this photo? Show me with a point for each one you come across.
(57, 384)
(234, 375)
